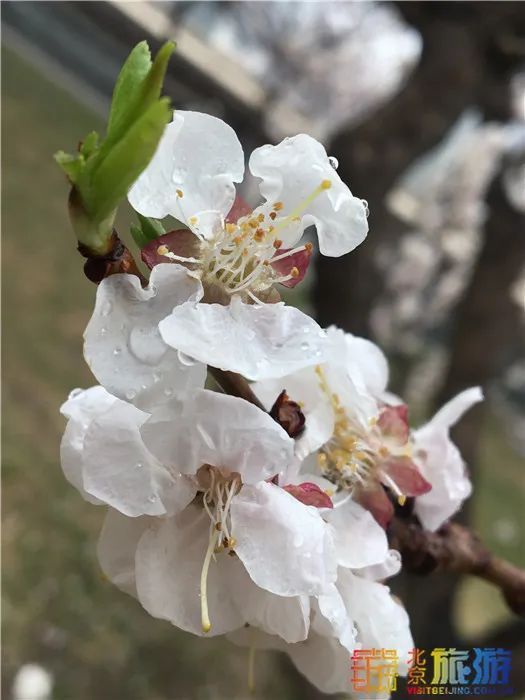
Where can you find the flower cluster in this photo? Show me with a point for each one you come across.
(225, 518)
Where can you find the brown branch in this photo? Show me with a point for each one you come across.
(457, 549)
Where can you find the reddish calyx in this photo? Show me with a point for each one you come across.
(310, 494)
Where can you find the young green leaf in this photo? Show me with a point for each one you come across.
(138, 87)
(127, 90)
(103, 185)
(149, 230)
(152, 228)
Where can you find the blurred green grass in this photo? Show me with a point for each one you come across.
(58, 611)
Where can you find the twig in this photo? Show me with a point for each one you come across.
(456, 548)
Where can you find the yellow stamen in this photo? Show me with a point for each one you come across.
(162, 250)
(180, 193)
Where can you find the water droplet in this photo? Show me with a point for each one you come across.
(367, 210)
(168, 391)
(306, 330)
(107, 308)
(305, 346)
(307, 555)
(103, 331)
(153, 499)
(186, 360)
(75, 393)
(156, 377)
(146, 344)
(139, 465)
(333, 162)
(130, 394)
(117, 351)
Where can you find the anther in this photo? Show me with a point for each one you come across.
(272, 215)
(162, 250)
(295, 272)
(277, 243)
(326, 184)
(180, 193)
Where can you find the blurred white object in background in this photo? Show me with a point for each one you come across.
(32, 682)
(323, 65)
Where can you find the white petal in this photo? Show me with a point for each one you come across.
(122, 343)
(360, 541)
(332, 619)
(285, 546)
(258, 342)
(366, 364)
(390, 566)
(224, 431)
(290, 173)
(116, 548)
(289, 617)
(81, 408)
(198, 155)
(324, 662)
(452, 411)
(382, 622)
(169, 561)
(119, 470)
(442, 464)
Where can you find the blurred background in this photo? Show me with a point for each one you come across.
(423, 106)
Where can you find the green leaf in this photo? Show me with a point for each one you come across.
(138, 236)
(138, 87)
(71, 165)
(152, 228)
(127, 89)
(149, 230)
(102, 185)
(102, 173)
(90, 144)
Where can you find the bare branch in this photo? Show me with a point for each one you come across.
(456, 548)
